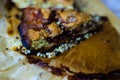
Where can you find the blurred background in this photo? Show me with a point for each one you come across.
(114, 5)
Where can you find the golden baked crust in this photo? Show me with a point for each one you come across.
(73, 19)
(54, 29)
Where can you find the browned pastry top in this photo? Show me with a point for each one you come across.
(50, 26)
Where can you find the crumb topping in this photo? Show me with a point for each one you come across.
(54, 29)
(33, 35)
(72, 19)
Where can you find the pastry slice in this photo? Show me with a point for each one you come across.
(48, 33)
